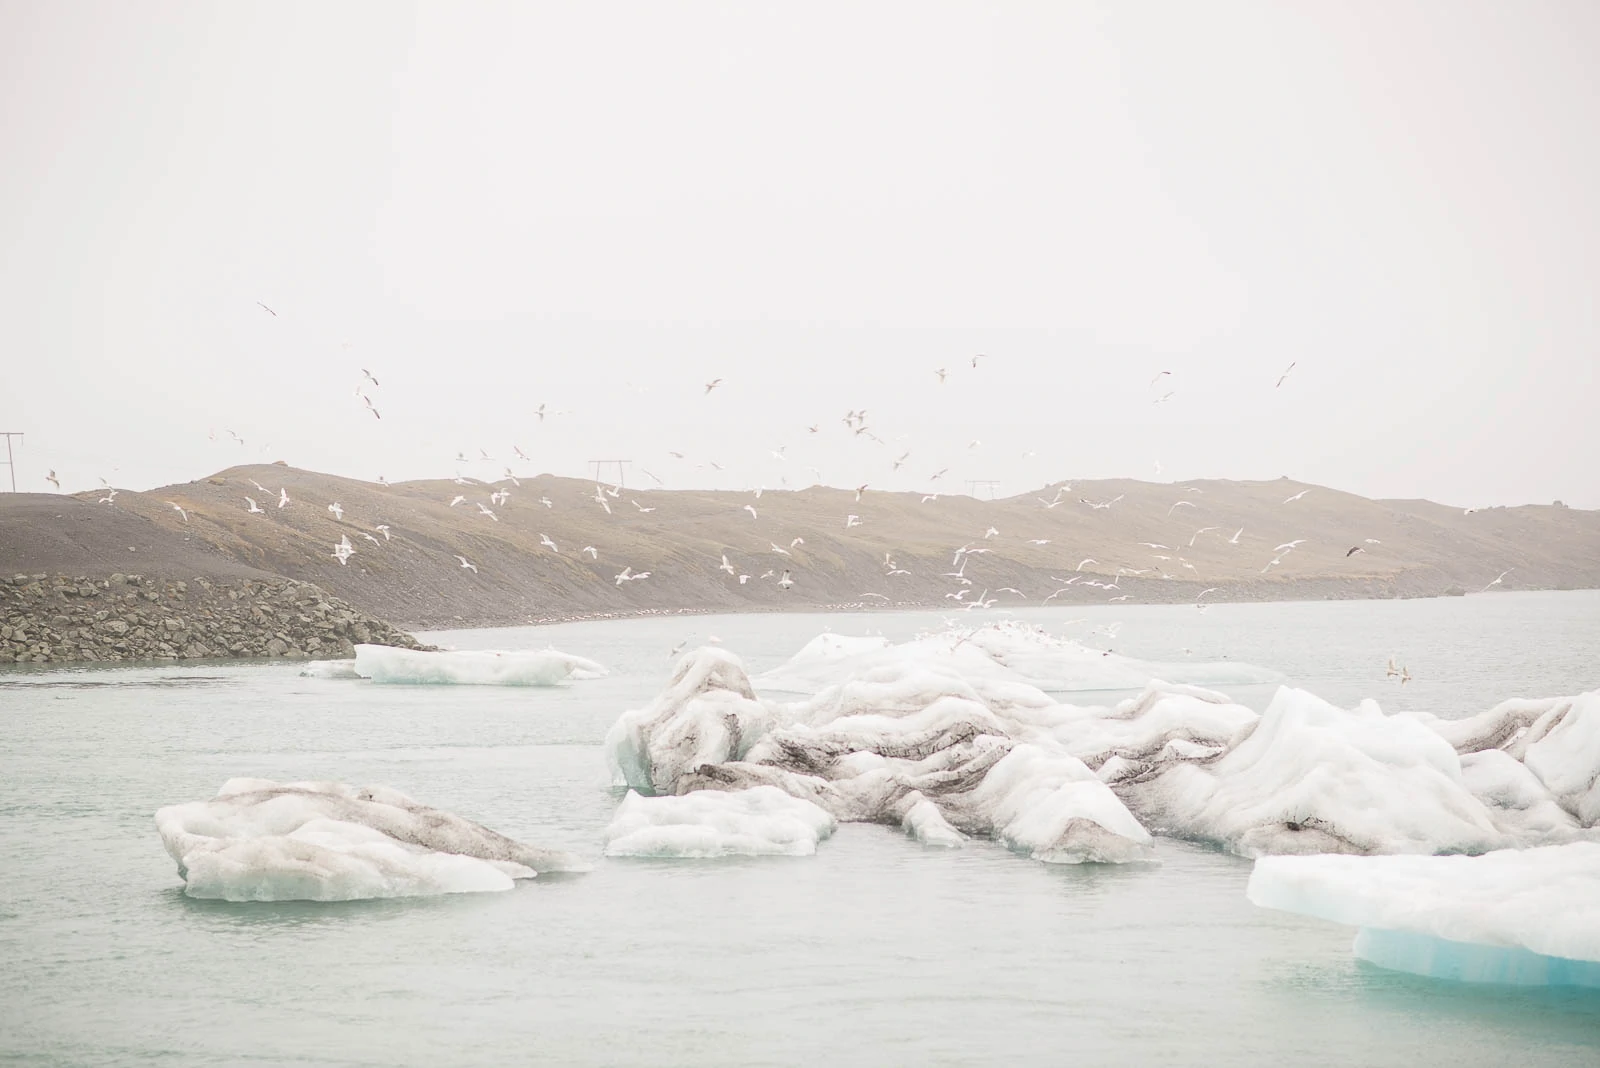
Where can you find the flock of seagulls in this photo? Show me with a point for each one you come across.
(1163, 561)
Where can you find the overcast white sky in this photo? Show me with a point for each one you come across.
(600, 207)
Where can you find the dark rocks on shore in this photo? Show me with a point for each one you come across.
(51, 619)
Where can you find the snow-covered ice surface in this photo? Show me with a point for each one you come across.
(1007, 651)
(1528, 917)
(761, 821)
(947, 738)
(259, 840)
(472, 667)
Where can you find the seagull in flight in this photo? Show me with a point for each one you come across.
(254, 509)
(851, 521)
(1097, 505)
(1296, 497)
(1353, 550)
(1496, 581)
(544, 539)
(713, 384)
(727, 565)
(941, 372)
(344, 551)
(369, 377)
(775, 548)
(1153, 545)
(1180, 504)
(785, 582)
(1285, 374)
(641, 507)
(520, 454)
(51, 478)
(110, 497)
(1158, 377)
(752, 510)
(594, 554)
(469, 565)
(283, 497)
(269, 310)
(185, 515)
(1286, 546)
(1202, 530)
(1038, 541)
(485, 511)
(1086, 560)
(457, 499)
(600, 498)
(383, 528)
(1235, 539)
(337, 509)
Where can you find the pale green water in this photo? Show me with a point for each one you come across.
(872, 952)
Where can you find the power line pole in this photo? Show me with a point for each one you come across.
(974, 483)
(621, 475)
(11, 463)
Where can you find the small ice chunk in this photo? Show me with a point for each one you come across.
(472, 667)
(924, 822)
(760, 821)
(330, 669)
(1528, 916)
(259, 840)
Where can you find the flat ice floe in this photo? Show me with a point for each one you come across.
(761, 821)
(1008, 651)
(472, 667)
(259, 840)
(1526, 917)
(330, 669)
(919, 743)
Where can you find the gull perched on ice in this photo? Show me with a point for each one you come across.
(1296, 497)
(185, 515)
(283, 497)
(254, 509)
(343, 551)
(468, 564)
(544, 539)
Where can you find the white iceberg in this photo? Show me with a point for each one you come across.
(1007, 651)
(472, 667)
(761, 821)
(1313, 778)
(259, 840)
(330, 669)
(1525, 917)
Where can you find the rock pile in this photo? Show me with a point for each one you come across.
(45, 619)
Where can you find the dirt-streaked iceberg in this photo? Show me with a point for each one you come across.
(259, 840)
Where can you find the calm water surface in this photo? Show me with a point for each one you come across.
(874, 951)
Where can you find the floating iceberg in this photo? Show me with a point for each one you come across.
(1525, 917)
(330, 669)
(761, 821)
(474, 667)
(1313, 778)
(954, 747)
(1007, 651)
(263, 841)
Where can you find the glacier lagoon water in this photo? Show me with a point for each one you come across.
(873, 951)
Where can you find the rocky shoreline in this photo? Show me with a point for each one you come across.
(55, 619)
